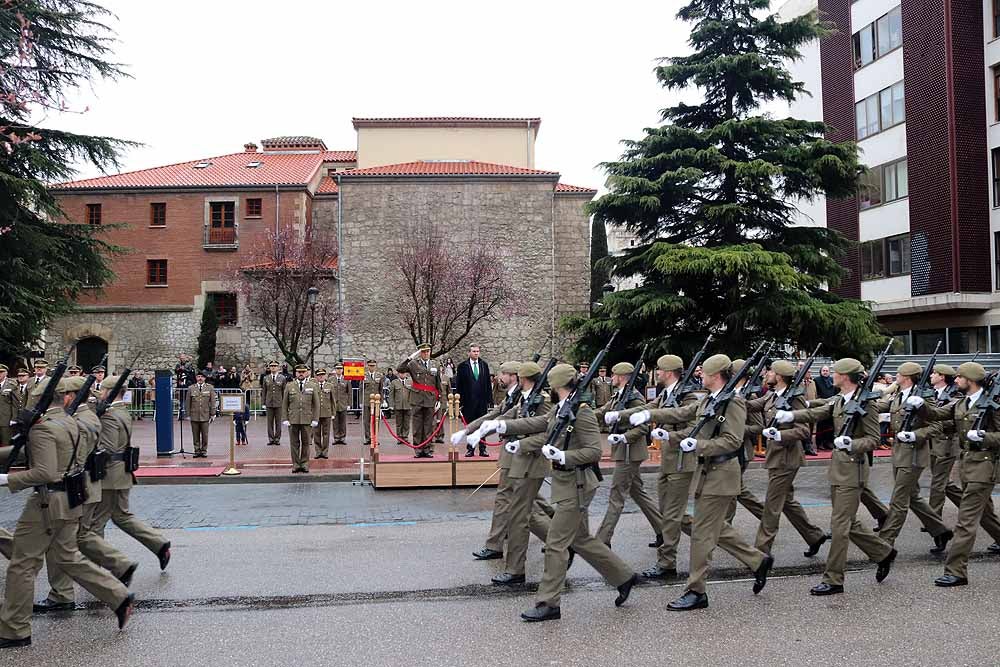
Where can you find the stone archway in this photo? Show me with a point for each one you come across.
(91, 339)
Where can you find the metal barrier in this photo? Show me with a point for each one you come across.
(142, 403)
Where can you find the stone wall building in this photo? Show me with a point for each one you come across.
(189, 227)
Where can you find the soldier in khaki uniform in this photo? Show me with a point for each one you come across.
(321, 434)
(200, 404)
(978, 469)
(848, 473)
(48, 526)
(372, 384)
(944, 445)
(9, 405)
(426, 397)
(603, 387)
(718, 484)
(23, 389)
(785, 455)
(399, 401)
(37, 383)
(628, 451)
(755, 424)
(910, 456)
(573, 486)
(341, 403)
(74, 371)
(300, 408)
(99, 381)
(272, 389)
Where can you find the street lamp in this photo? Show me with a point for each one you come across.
(312, 295)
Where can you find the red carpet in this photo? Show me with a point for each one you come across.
(409, 458)
(180, 471)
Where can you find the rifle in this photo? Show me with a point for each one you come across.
(856, 408)
(716, 406)
(919, 389)
(538, 355)
(795, 389)
(988, 403)
(684, 385)
(534, 399)
(28, 417)
(752, 385)
(626, 395)
(84, 393)
(103, 404)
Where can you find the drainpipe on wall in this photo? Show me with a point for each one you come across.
(277, 211)
(340, 268)
(527, 147)
(552, 316)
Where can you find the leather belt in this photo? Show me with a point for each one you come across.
(721, 458)
(120, 456)
(52, 486)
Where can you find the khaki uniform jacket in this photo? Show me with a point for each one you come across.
(945, 443)
(372, 384)
(977, 466)
(341, 394)
(636, 436)
(429, 376)
(32, 397)
(10, 400)
(583, 448)
(90, 435)
(116, 434)
(50, 450)
(755, 426)
(902, 452)
(602, 391)
(789, 453)
(22, 397)
(272, 389)
(301, 406)
(848, 469)
(528, 464)
(95, 391)
(677, 430)
(326, 398)
(399, 394)
(502, 407)
(201, 404)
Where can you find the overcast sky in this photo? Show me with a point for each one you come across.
(211, 75)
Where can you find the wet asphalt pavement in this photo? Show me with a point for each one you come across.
(296, 574)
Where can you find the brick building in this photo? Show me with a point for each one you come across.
(188, 226)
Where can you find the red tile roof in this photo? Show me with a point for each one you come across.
(471, 121)
(327, 186)
(446, 168)
(329, 264)
(564, 187)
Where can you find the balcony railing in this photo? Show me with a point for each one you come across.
(222, 238)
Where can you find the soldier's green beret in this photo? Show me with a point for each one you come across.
(738, 365)
(670, 362)
(944, 369)
(970, 370)
(511, 367)
(783, 368)
(623, 368)
(273, 364)
(716, 364)
(320, 371)
(909, 368)
(530, 370)
(41, 363)
(301, 367)
(423, 346)
(848, 366)
(67, 385)
(560, 375)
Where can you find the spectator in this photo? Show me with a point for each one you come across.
(472, 382)
(824, 429)
(247, 378)
(137, 385)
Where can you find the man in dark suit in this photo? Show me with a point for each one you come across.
(472, 381)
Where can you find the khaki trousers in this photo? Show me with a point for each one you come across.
(626, 482)
(6, 543)
(299, 436)
(845, 526)
(114, 507)
(875, 507)
(941, 485)
(780, 499)
(321, 437)
(976, 509)
(528, 513)
(673, 489)
(906, 497)
(199, 436)
(423, 426)
(501, 508)
(273, 426)
(32, 544)
(708, 529)
(94, 547)
(340, 426)
(748, 500)
(403, 424)
(569, 528)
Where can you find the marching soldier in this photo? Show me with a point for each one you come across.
(573, 486)
(718, 485)
(272, 393)
(628, 451)
(978, 469)
(300, 408)
(944, 446)
(399, 400)
(910, 455)
(372, 384)
(848, 473)
(754, 425)
(9, 405)
(341, 404)
(200, 404)
(48, 525)
(37, 382)
(321, 434)
(785, 455)
(425, 399)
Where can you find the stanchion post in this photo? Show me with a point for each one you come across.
(376, 412)
(231, 470)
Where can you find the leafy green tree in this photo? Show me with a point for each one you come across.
(599, 274)
(711, 196)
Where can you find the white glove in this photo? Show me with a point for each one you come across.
(488, 426)
(916, 402)
(473, 439)
(457, 437)
(884, 418)
(688, 444)
(975, 436)
(906, 436)
(211, 419)
(437, 407)
(414, 355)
(611, 417)
(784, 417)
(843, 442)
(660, 434)
(554, 454)
(286, 423)
(3, 480)
(616, 439)
(639, 418)
(314, 423)
(772, 433)
(513, 446)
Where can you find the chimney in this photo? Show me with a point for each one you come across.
(250, 147)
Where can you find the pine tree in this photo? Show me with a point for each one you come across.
(49, 47)
(711, 193)
(206, 337)
(599, 275)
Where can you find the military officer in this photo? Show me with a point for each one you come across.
(95, 390)
(48, 525)
(978, 468)
(588, 395)
(372, 384)
(23, 388)
(74, 371)
(272, 388)
(321, 434)
(602, 387)
(910, 455)
(848, 474)
(944, 446)
(399, 400)
(573, 486)
(341, 404)
(38, 381)
(201, 404)
(425, 399)
(9, 405)
(300, 409)
(718, 484)
(628, 451)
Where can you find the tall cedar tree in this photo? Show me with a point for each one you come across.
(599, 275)
(208, 333)
(711, 196)
(49, 48)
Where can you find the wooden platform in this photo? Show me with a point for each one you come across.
(401, 472)
(473, 470)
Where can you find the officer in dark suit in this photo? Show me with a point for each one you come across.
(472, 381)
